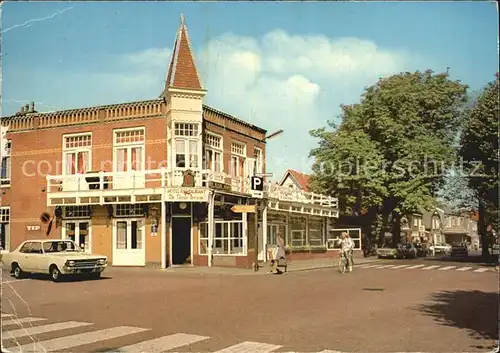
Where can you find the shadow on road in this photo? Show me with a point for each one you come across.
(474, 311)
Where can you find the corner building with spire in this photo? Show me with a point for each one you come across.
(162, 182)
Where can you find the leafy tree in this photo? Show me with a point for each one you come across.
(398, 142)
(479, 151)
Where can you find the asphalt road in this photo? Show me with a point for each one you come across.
(376, 308)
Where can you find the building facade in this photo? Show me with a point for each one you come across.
(162, 182)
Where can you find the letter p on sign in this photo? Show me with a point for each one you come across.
(257, 183)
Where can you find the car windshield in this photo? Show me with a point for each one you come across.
(60, 246)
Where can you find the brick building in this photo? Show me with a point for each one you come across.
(151, 182)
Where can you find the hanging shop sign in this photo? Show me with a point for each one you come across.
(219, 186)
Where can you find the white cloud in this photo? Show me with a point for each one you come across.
(291, 82)
(279, 81)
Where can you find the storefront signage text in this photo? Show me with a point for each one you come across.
(219, 186)
(186, 194)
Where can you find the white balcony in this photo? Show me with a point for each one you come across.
(124, 187)
(282, 198)
(99, 188)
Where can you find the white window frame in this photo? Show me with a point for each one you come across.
(321, 224)
(259, 160)
(186, 139)
(215, 150)
(229, 239)
(128, 241)
(5, 182)
(77, 222)
(5, 219)
(129, 146)
(236, 156)
(73, 150)
(135, 210)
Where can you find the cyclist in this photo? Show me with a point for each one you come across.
(346, 249)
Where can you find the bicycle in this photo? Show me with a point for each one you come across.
(342, 262)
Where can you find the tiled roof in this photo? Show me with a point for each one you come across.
(182, 72)
(301, 178)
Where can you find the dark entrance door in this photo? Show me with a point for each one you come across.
(181, 240)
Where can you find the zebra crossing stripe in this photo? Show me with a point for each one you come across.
(250, 347)
(464, 268)
(481, 270)
(81, 339)
(384, 266)
(430, 267)
(415, 266)
(21, 321)
(446, 268)
(7, 315)
(36, 330)
(162, 344)
(400, 266)
(369, 266)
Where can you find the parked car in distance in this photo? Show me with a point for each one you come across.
(55, 257)
(399, 251)
(422, 249)
(459, 249)
(441, 248)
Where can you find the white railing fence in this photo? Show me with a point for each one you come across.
(160, 178)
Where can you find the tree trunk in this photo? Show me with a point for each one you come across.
(396, 229)
(481, 229)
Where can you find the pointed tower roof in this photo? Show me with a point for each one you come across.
(182, 72)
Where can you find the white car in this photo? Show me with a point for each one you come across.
(54, 257)
(441, 248)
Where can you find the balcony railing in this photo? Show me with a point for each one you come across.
(283, 193)
(148, 179)
(153, 181)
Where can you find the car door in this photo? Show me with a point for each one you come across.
(24, 259)
(36, 257)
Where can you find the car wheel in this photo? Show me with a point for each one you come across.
(95, 275)
(55, 274)
(18, 273)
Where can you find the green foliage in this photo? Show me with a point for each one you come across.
(479, 148)
(398, 142)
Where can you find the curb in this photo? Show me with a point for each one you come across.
(319, 267)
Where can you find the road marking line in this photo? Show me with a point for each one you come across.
(81, 339)
(446, 268)
(385, 266)
(430, 267)
(21, 321)
(15, 280)
(400, 266)
(415, 266)
(369, 266)
(162, 344)
(481, 270)
(250, 347)
(464, 268)
(36, 330)
(7, 315)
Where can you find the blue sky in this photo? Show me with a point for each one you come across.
(279, 65)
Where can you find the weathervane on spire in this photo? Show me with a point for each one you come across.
(183, 19)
